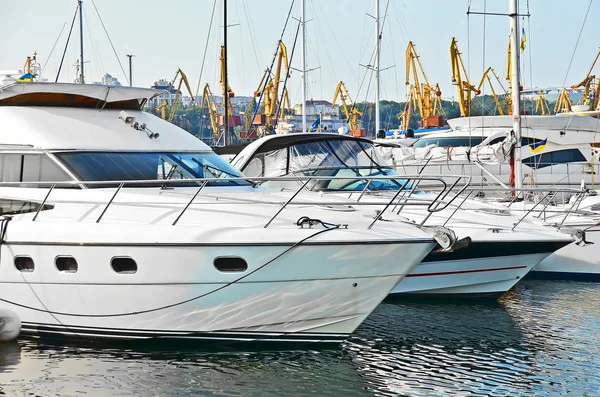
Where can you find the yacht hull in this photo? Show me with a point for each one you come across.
(313, 293)
(477, 271)
(572, 262)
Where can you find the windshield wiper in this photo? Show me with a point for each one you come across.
(171, 172)
(209, 167)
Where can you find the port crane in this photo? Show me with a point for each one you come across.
(427, 98)
(591, 87)
(164, 104)
(563, 102)
(213, 114)
(351, 114)
(226, 92)
(541, 104)
(268, 92)
(486, 77)
(459, 78)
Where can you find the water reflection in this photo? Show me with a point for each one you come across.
(540, 340)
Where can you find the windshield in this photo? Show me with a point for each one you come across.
(333, 157)
(124, 166)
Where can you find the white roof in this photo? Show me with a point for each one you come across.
(102, 93)
(45, 127)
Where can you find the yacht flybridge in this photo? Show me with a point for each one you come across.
(117, 224)
(499, 247)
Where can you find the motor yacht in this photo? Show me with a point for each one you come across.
(501, 247)
(118, 224)
(556, 150)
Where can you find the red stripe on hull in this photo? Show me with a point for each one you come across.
(466, 271)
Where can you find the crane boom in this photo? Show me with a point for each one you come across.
(164, 104)
(428, 98)
(486, 77)
(587, 84)
(350, 114)
(463, 86)
(208, 99)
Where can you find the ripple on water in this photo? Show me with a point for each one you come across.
(539, 340)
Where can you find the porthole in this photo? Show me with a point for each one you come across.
(66, 264)
(231, 264)
(24, 264)
(123, 265)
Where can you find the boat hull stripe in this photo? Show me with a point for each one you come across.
(466, 271)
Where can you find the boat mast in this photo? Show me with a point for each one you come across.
(377, 49)
(303, 19)
(515, 90)
(226, 97)
(81, 38)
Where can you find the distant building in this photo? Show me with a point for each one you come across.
(168, 95)
(107, 79)
(317, 106)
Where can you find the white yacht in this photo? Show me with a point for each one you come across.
(556, 150)
(117, 224)
(496, 253)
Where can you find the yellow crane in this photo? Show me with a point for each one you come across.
(563, 102)
(226, 93)
(409, 106)
(486, 77)
(270, 90)
(164, 104)
(350, 114)
(541, 104)
(588, 86)
(213, 114)
(459, 78)
(428, 98)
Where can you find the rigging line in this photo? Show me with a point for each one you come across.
(99, 66)
(577, 43)
(52, 50)
(66, 45)
(328, 227)
(252, 40)
(287, 20)
(287, 75)
(111, 43)
(212, 15)
(483, 68)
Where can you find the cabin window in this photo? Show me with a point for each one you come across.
(553, 158)
(123, 265)
(66, 264)
(231, 264)
(39, 167)
(454, 142)
(24, 264)
(12, 207)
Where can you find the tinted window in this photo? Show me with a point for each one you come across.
(231, 264)
(454, 142)
(551, 158)
(123, 166)
(24, 264)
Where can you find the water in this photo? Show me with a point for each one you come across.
(542, 339)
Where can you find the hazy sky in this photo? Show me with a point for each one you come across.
(165, 35)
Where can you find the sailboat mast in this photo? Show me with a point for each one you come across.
(515, 90)
(304, 66)
(81, 38)
(226, 96)
(377, 49)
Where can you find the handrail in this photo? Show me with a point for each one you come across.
(432, 204)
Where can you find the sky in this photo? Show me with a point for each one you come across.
(340, 36)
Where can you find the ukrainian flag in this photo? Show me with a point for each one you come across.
(537, 147)
(523, 40)
(26, 78)
(315, 125)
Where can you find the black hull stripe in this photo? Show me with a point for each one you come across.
(240, 244)
(481, 250)
(572, 276)
(113, 333)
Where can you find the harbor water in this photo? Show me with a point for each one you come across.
(541, 339)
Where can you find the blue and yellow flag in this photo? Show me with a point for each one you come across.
(537, 147)
(26, 78)
(316, 124)
(523, 40)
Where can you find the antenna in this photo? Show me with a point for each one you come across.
(130, 70)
